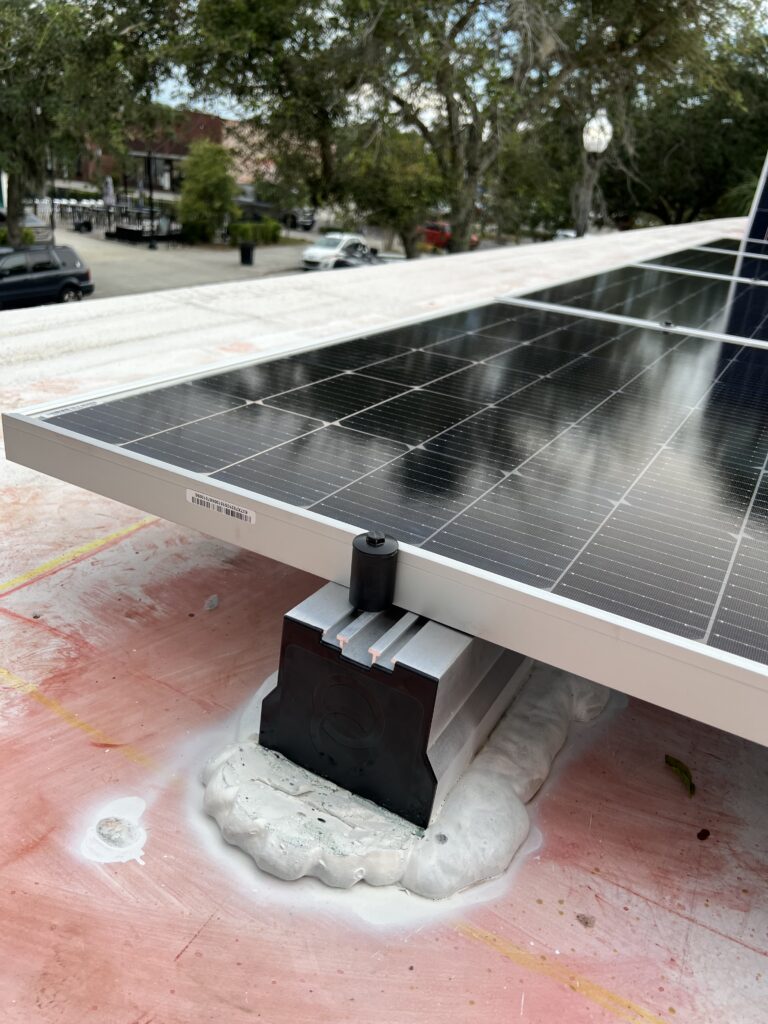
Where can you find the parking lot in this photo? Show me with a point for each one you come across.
(120, 268)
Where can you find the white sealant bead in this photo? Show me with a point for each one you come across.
(293, 823)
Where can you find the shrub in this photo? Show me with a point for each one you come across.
(27, 236)
(263, 232)
(269, 231)
(195, 231)
(208, 190)
(71, 193)
(243, 232)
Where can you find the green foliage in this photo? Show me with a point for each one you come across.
(463, 75)
(285, 192)
(71, 193)
(242, 232)
(72, 70)
(27, 236)
(531, 183)
(393, 180)
(692, 147)
(193, 233)
(269, 231)
(208, 190)
(263, 232)
(290, 64)
(737, 201)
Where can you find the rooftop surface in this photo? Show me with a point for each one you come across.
(635, 903)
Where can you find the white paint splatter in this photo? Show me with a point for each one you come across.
(115, 836)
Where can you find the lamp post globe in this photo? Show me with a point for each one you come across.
(597, 133)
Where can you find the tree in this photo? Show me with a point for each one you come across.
(530, 185)
(393, 180)
(72, 70)
(690, 146)
(208, 190)
(464, 74)
(291, 65)
(455, 70)
(629, 56)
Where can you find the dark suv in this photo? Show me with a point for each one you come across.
(42, 273)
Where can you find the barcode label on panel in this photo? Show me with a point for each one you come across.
(224, 508)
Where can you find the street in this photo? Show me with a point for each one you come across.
(119, 268)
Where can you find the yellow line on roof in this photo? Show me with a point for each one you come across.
(74, 554)
(12, 682)
(622, 1009)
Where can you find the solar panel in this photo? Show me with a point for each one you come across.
(714, 261)
(613, 469)
(685, 300)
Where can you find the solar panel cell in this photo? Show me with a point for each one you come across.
(125, 419)
(220, 440)
(532, 359)
(251, 383)
(647, 294)
(413, 417)
(483, 383)
(411, 497)
(473, 346)
(416, 368)
(341, 396)
(313, 466)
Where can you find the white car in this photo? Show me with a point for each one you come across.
(335, 250)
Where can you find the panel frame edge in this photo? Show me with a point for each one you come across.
(712, 686)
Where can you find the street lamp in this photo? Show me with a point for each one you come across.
(152, 242)
(596, 136)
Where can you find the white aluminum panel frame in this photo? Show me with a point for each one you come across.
(685, 676)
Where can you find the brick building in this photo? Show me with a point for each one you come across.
(159, 154)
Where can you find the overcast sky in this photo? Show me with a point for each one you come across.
(178, 94)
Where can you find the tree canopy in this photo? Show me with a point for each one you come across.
(72, 70)
(475, 104)
(478, 80)
(392, 179)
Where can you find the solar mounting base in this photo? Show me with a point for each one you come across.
(388, 705)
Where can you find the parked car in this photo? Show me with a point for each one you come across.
(42, 273)
(301, 217)
(437, 235)
(41, 230)
(335, 250)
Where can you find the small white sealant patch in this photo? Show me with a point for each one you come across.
(295, 824)
(115, 836)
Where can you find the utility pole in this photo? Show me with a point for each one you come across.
(152, 242)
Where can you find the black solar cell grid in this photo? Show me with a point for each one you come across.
(618, 466)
